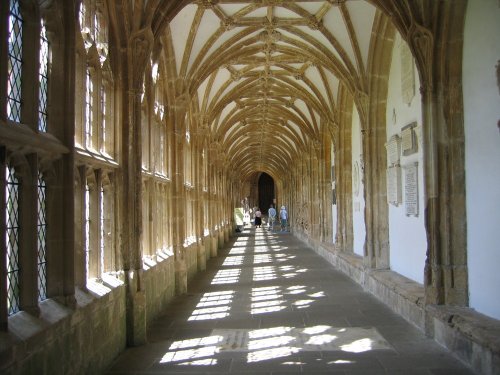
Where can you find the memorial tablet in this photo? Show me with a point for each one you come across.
(394, 185)
(411, 190)
(393, 147)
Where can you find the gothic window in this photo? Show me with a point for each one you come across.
(12, 239)
(106, 217)
(87, 229)
(43, 78)
(42, 238)
(102, 235)
(162, 149)
(103, 106)
(89, 104)
(145, 219)
(94, 130)
(15, 62)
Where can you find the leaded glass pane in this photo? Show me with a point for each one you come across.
(14, 70)
(42, 239)
(87, 229)
(103, 125)
(44, 66)
(102, 215)
(89, 109)
(12, 240)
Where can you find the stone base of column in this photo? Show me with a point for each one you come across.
(221, 239)
(213, 246)
(136, 310)
(202, 260)
(180, 277)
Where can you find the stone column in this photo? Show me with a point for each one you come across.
(138, 50)
(61, 276)
(438, 55)
(27, 174)
(180, 108)
(198, 206)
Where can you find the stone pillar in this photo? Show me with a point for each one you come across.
(180, 108)
(438, 55)
(28, 245)
(138, 50)
(199, 209)
(61, 188)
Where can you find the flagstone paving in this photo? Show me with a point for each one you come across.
(270, 305)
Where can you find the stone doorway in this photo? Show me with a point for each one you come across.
(266, 192)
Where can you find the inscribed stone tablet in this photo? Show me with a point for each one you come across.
(394, 185)
(411, 190)
(393, 150)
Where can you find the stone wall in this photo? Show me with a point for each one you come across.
(160, 287)
(65, 341)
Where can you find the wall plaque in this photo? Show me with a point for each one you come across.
(394, 185)
(393, 147)
(407, 74)
(408, 139)
(411, 190)
(355, 179)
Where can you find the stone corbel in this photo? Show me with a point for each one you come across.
(21, 165)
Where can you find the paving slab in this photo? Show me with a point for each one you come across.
(268, 304)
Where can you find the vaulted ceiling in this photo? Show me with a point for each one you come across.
(267, 73)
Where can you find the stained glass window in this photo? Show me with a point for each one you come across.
(15, 62)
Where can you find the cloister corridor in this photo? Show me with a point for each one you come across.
(268, 304)
(140, 140)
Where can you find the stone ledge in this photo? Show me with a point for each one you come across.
(402, 295)
(472, 336)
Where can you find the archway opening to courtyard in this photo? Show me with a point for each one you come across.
(266, 191)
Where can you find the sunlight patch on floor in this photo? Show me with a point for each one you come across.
(227, 276)
(214, 305)
(275, 342)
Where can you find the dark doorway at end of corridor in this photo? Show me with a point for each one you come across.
(266, 191)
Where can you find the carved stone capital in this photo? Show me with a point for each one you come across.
(140, 47)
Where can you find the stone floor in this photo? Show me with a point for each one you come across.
(269, 305)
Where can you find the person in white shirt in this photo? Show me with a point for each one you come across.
(271, 213)
(283, 218)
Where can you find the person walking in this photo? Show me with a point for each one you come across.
(258, 218)
(283, 218)
(271, 213)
